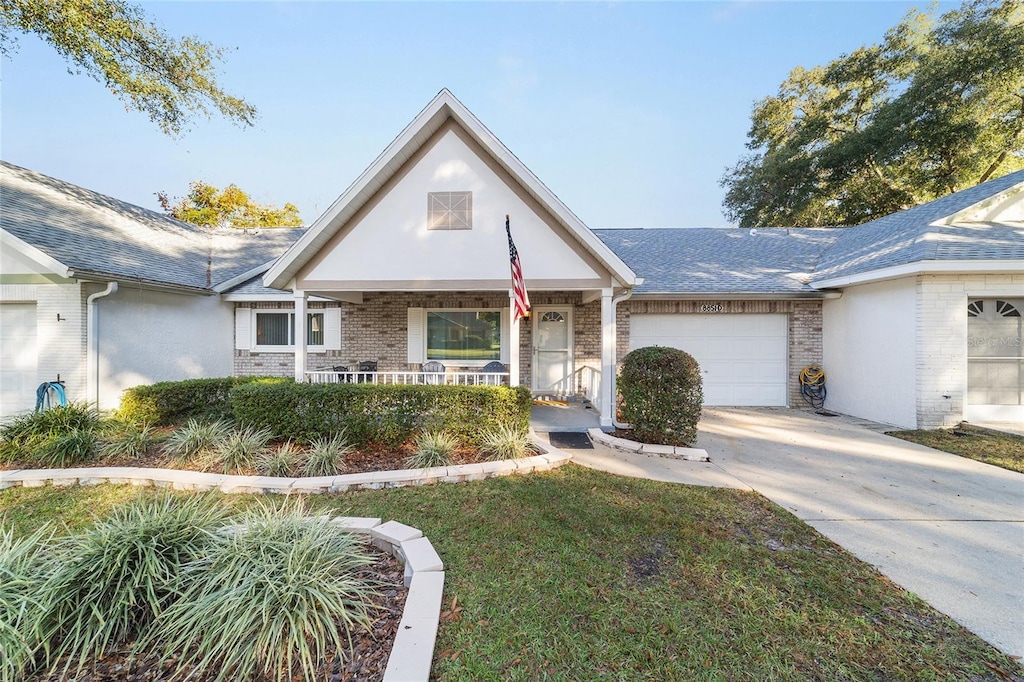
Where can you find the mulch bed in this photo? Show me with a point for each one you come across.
(366, 459)
(364, 663)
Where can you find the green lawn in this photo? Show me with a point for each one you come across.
(580, 575)
(1001, 450)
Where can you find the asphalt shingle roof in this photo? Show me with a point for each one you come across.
(910, 236)
(239, 251)
(100, 236)
(254, 286)
(97, 235)
(720, 260)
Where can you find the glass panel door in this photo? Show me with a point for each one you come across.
(552, 338)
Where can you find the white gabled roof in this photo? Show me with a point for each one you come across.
(442, 108)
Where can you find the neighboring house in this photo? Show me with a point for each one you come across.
(105, 295)
(915, 317)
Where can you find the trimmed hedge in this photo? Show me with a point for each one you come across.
(661, 394)
(385, 414)
(173, 402)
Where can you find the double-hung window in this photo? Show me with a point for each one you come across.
(275, 330)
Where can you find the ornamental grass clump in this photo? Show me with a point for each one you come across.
(282, 461)
(128, 439)
(113, 579)
(23, 568)
(267, 598)
(661, 395)
(61, 435)
(76, 446)
(507, 443)
(196, 438)
(326, 455)
(242, 448)
(433, 449)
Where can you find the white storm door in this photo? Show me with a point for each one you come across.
(552, 346)
(18, 358)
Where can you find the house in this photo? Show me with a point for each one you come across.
(104, 295)
(915, 317)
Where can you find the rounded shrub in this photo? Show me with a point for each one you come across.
(661, 395)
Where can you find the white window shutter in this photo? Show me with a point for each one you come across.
(332, 328)
(243, 328)
(506, 332)
(417, 328)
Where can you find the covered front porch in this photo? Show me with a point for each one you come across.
(566, 348)
(417, 252)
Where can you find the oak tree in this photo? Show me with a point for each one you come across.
(170, 79)
(209, 207)
(938, 106)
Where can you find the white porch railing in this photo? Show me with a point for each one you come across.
(431, 378)
(585, 381)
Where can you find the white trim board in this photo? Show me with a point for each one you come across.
(442, 108)
(931, 267)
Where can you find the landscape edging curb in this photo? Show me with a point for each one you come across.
(180, 479)
(676, 452)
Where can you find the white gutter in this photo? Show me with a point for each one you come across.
(616, 300)
(92, 362)
(931, 267)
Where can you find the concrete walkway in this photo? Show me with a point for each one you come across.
(947, 528)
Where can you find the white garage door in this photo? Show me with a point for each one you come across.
(18, 358)
(742, 357)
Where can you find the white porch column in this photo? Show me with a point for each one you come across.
(513, 341)
(607, 358)
(300, 334)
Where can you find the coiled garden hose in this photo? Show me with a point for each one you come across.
(812, 386)
(43, 400)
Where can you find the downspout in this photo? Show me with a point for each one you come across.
(616, 300)
(92, 362)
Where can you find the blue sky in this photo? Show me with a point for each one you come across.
(630, 112)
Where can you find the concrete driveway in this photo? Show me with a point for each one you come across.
(949, 529)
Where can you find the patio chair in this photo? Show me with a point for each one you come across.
(493, 367)
(341, 369)
(433, 367)
(365, 366)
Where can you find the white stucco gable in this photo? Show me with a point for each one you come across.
(22, 263)
(389, 244)
(376, 237)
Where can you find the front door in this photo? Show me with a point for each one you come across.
(552, 349)
(995, 359)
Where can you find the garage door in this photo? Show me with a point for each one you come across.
(742, 357)
(18, 357)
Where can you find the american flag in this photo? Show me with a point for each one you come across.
(522, 302)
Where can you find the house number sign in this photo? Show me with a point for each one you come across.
(712, 308)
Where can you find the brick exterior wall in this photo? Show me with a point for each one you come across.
(942, 340)
(804, 328)
(255, 363)
(376, 330)
(61, 344)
